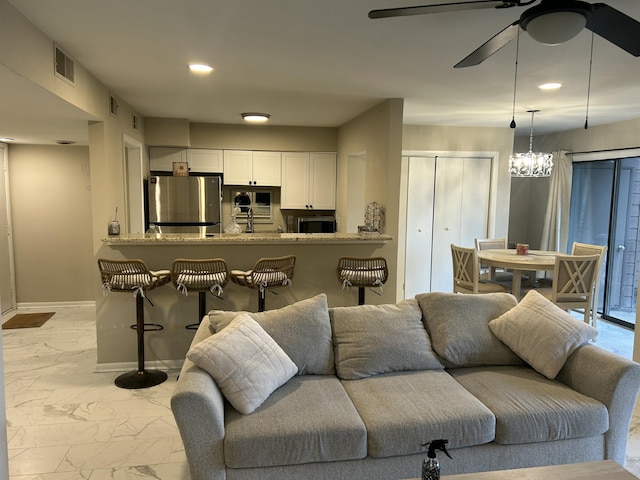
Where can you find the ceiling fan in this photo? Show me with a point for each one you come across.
(550, 22)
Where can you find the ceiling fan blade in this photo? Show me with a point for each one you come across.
(615, 26)
(490, 47)
(441, 7)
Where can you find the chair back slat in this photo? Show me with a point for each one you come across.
(465, 268)
(573, 277)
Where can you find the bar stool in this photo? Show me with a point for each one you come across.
(267, 273)
(133, 276)
(202, 276)
(361, 273)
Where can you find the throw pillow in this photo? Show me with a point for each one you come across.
(459, 330)
(541, 333)
(302, 329)
(246, 363)
(374, 339)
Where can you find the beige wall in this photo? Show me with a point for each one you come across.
(51, 212)
(378, 133)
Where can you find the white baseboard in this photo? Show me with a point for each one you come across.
(29, 305)
(126, 366)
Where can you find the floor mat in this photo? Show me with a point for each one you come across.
(27, 320)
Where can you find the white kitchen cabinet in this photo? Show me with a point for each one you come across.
(199, 160)
(161, 159)
(204, 160)
(254, 168)
(308, 181)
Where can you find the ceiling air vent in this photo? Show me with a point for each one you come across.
(64, 66)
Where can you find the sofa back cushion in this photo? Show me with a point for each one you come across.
(374, 339)
(459, 330)
(302, 330)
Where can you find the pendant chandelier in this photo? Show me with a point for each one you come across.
(530, 164)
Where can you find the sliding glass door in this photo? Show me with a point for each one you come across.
(605, 207)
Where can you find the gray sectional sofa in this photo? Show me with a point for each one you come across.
(509, 385)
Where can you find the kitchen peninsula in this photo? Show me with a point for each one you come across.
(315, 272)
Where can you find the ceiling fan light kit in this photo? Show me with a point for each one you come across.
(555, 27)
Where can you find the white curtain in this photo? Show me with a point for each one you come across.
(555, 234)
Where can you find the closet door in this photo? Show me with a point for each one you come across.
(421, 177)
(448, 202)
(461, 212)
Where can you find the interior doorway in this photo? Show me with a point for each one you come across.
(605, 208)
(7, 279)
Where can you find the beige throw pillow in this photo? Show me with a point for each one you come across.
(246, 363)
(541, 333)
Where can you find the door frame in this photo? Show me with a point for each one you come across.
(4, 159)
(404, 191)
(615, 155)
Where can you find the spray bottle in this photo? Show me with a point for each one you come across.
(431, 465)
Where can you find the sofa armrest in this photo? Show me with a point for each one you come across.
(612, 380)
(198, 407)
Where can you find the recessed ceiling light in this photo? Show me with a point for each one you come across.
(550, 86)
(65, 142)
(7, 139)
(255, 117)
(200, 68)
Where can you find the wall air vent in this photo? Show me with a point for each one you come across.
(113, 105)
(135, 122)
(64, 65)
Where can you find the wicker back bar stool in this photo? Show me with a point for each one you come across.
(266, 274)
(133, 276)
(204, 276)
(362, 273)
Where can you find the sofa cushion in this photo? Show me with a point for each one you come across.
(245, 362)
(404, 410)
(458, 326)
(302, 329)
(374, 339)
(541, 333)
(530, 408)
(309, 419)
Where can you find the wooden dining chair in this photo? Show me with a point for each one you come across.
(491, 273)
(589, 249)
(466, 276)
(573, 282)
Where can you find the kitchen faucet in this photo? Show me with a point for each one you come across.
(249, 220)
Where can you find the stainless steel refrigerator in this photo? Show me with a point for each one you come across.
(185, 204)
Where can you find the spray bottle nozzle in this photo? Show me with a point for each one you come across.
(436, 445)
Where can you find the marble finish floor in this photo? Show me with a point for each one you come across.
(65, 422)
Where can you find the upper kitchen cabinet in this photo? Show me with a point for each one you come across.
(244, 167)
(308, 181)
(199, 160)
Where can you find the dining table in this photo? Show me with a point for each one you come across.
(509, 259)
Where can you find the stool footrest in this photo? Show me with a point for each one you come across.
(140, 379)
(148, 327)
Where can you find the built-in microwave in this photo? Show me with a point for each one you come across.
(317, 224)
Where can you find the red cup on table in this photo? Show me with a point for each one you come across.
(522, 248)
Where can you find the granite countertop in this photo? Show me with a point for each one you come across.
(258, 237)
